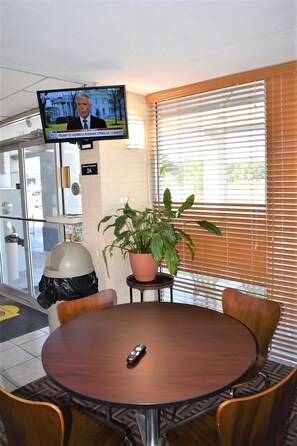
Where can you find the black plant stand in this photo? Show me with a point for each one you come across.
(161, 281)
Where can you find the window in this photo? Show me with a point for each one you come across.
(232, 142)
(214, 145)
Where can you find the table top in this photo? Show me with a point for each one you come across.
(192, 353)
(162, 280)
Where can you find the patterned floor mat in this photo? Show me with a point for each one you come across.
(45, 390)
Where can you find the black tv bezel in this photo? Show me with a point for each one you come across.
(83, 140)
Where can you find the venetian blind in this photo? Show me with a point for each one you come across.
(234, 144)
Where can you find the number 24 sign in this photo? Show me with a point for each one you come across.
(89, 169)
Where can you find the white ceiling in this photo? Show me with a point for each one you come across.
(148, 45)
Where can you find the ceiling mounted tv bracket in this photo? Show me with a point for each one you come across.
(85, 145)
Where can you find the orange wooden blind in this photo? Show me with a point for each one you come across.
(233, 142)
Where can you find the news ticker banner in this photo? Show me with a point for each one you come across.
(92, 133)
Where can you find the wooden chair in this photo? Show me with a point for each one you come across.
(257, 420)
(44, 424)
(261, 316)
(68, 309)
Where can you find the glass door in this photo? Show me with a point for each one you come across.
(41, 202)
(29, 194)
(12, 236)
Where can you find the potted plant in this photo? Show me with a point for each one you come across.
(153, 232)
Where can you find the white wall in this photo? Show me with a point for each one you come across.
(121, 172)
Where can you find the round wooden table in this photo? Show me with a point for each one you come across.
(191, 353)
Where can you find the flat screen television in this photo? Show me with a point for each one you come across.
(81, 115)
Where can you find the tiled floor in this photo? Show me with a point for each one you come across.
(20, 359)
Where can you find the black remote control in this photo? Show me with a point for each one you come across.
(136, 354)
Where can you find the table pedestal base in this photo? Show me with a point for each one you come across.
(148, 427)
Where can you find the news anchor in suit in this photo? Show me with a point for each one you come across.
(85, 119)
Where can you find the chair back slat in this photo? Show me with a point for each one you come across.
(69, 309)
(259, 419)
(31, 422)
(261, 316)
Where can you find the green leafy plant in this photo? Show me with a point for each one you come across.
(152, 231)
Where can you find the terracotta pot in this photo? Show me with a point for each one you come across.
(143, 266)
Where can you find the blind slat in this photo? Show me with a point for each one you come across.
(234, 144)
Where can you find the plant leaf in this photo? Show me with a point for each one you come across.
(170, 233)
(104, 220)
(107, 227)
(167, 200)
(172, 259)
(186, 205)
(157, 248)
(191, 251)
(210, 227)
(162, 170)
(185, 235)
(119, 223)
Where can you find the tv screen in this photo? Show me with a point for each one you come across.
(83, 114)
